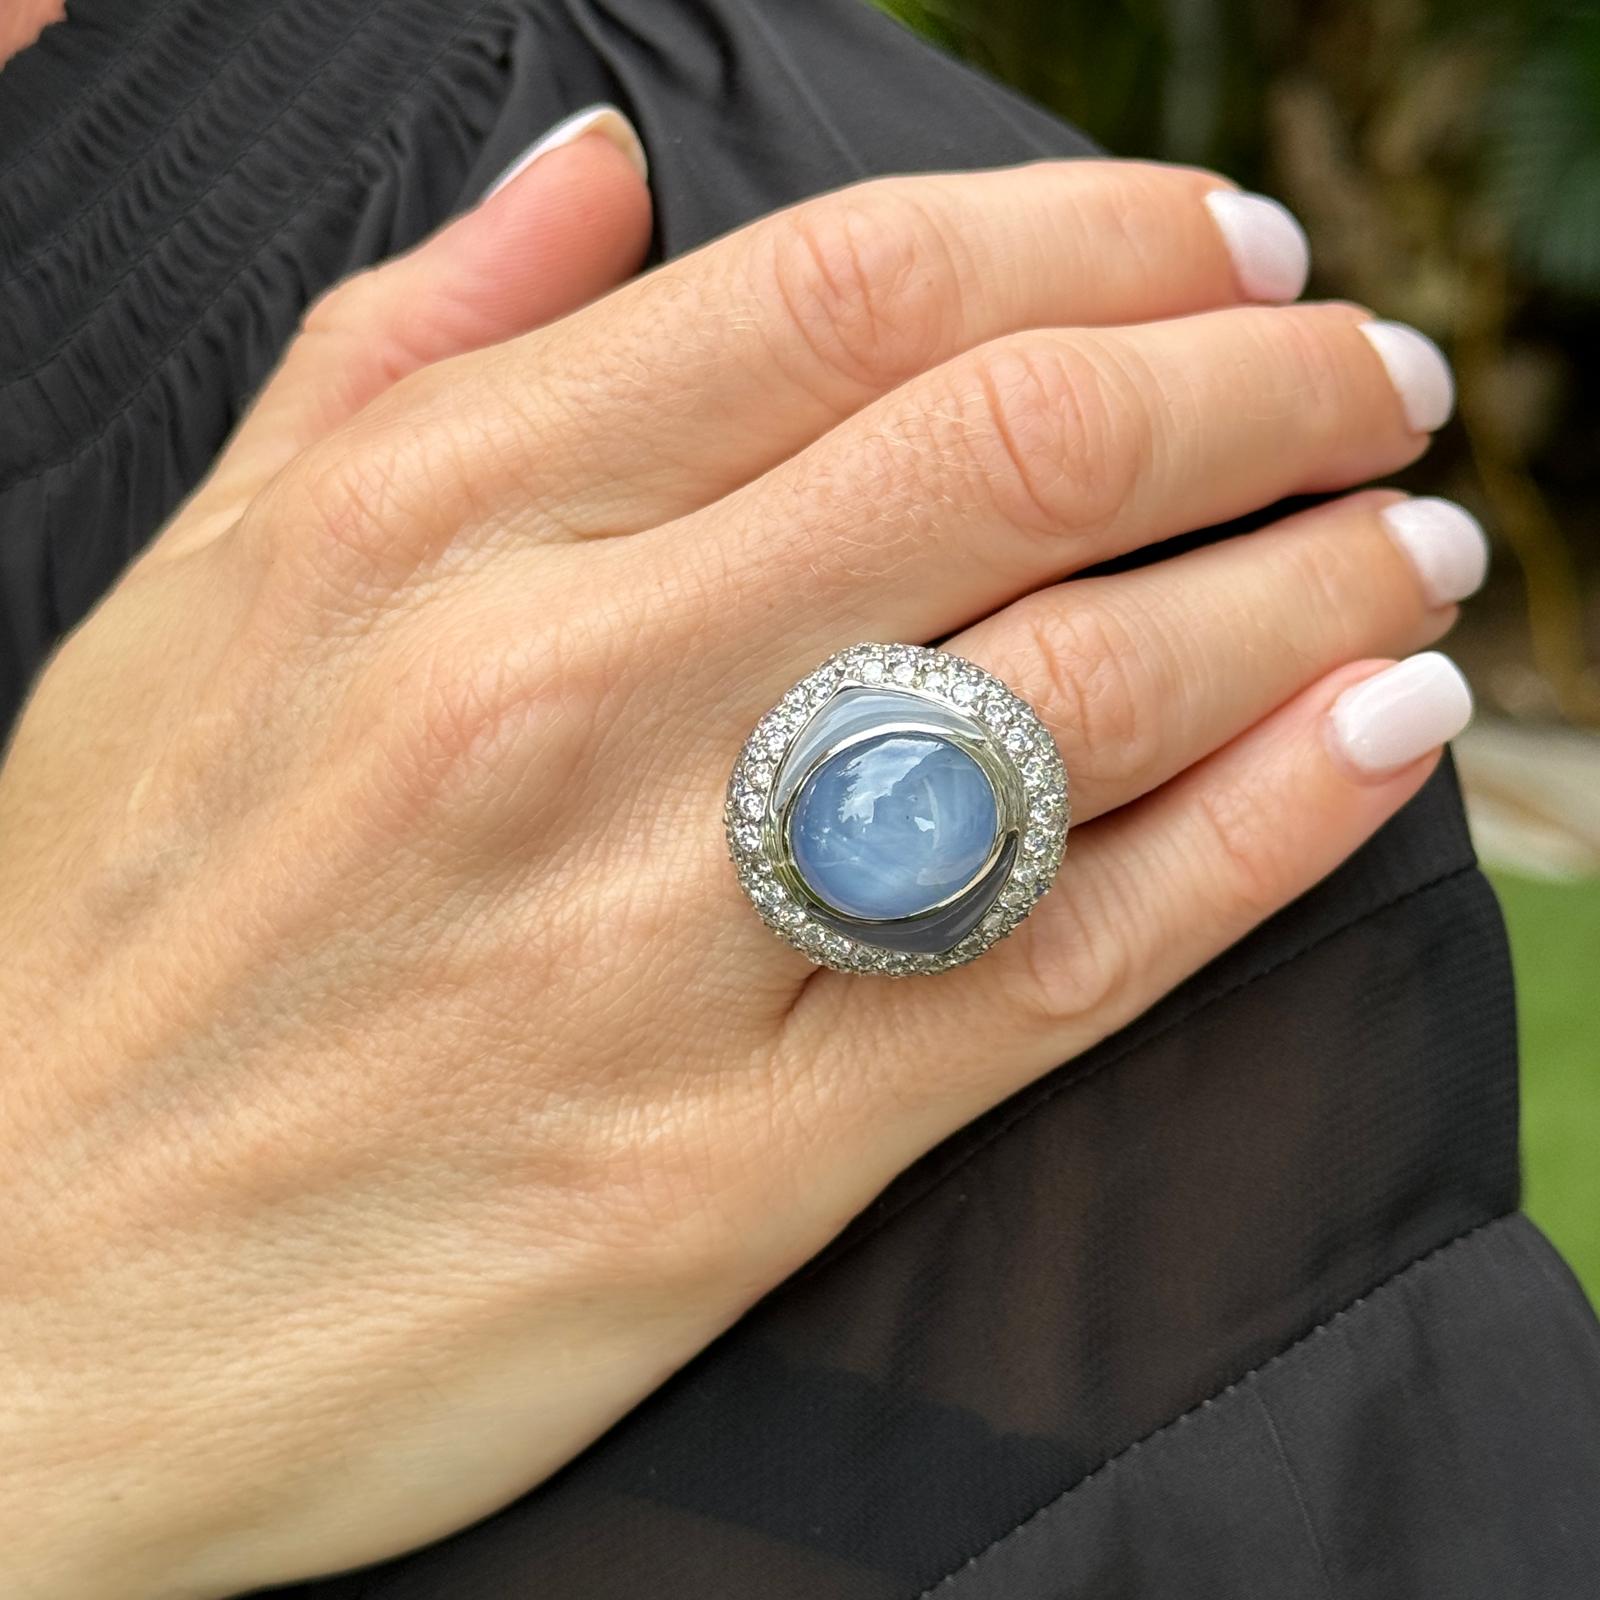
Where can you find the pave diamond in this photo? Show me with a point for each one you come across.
(769, 862)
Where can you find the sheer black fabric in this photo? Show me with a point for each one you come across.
(1237, 1305)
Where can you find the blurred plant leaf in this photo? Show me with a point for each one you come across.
(1544, 156)
(1445, 157)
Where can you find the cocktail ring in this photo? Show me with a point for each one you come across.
(899, 810)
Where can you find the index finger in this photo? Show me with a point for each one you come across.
(697, 378)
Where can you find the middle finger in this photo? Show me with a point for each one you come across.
(1039, 455)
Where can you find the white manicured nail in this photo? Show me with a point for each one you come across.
(1444, 543)
(1400, 714)
(1271, 255)
(604, 120)
(1418, 370)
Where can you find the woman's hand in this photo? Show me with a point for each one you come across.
(399, 1086)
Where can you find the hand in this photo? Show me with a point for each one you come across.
(400, 1086)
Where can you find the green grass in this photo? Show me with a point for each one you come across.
(1555, 947)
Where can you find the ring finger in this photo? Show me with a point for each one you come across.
(1141, 674)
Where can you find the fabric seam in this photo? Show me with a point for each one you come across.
(1301, 1505)
(109, 65)
(1427, 1260)
(402, 100)
(73, 221)
(334, 60)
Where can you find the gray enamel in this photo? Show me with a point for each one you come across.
(854, 711)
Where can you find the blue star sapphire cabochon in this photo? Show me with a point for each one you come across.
(898, 811)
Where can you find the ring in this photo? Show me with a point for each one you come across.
(899, 810)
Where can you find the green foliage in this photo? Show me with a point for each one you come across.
(1190, 80)
(1162, 78)
(1462, 140)
(1544, 155)
(1444, 156)
(1555, 947)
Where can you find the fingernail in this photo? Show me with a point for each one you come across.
(1399, 715)
(1271, 255)
(605, 120)
(1419, 372)
(1443, 542)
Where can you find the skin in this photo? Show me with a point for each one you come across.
(22, 21)
(399, 1086)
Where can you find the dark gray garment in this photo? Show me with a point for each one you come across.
(1236, 1306)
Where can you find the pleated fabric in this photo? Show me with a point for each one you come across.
(1237, 1305)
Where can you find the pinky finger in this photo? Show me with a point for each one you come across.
(1150, 893)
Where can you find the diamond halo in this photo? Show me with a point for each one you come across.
(1016, 738)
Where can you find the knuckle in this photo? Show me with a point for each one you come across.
(1076, 959)
(1133, 213)
(1061, 439)
(342, 308)
(464, 707)
(1243, 837)
(1100, 688)
(869, 283)
(1332, 581)
(353, 500)
(366, 509)
(469, 729)
(1312, 353)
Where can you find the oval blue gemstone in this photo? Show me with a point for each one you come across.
(893, 826)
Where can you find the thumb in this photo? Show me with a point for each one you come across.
(567, 221)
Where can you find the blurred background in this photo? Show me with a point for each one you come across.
(1444, 156)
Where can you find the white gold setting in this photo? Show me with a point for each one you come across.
(1001, 733)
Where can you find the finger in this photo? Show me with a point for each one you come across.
(1141, 674)
(1037, 456)
(720, 364)
(568, 223)
(1148, 895)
